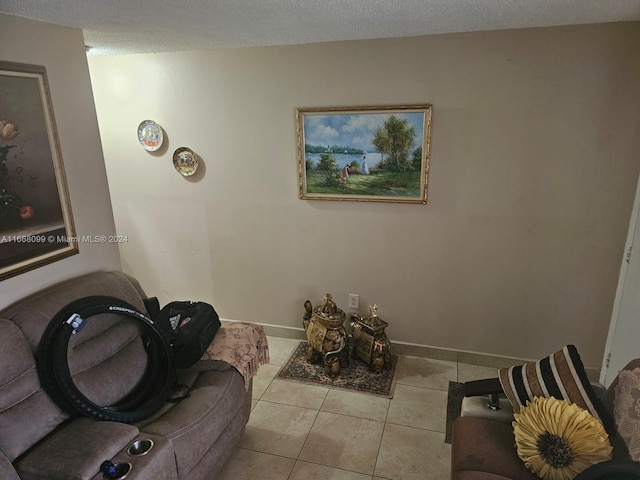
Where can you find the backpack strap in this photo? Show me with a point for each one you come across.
(152, 305)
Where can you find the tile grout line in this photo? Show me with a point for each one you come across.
(306, 438)
(337, 468)
(384, 429)
(385, 422)
(312, 425)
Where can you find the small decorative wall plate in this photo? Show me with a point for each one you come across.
(150, 135)
(185, 161)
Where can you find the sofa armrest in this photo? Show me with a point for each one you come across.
(485, 449)
(486, 386)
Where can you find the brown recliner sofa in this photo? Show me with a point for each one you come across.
(192, 439)
(483, 447)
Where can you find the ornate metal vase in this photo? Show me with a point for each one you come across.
(370, 342)
(327, 336)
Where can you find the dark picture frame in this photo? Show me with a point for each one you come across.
(36, 223)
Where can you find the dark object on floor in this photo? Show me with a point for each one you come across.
(357, 376)
(454, 403)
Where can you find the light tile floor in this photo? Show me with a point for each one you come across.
(306, 432)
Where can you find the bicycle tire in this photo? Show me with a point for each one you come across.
(45, 371)
(143, 401)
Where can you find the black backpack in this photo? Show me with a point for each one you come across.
(189, 327)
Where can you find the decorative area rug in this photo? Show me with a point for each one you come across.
(357, 376)
(454, 404)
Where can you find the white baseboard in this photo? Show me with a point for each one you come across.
(426, 351)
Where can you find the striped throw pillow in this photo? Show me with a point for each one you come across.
(560, 375)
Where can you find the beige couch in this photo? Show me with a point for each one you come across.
(38, 441)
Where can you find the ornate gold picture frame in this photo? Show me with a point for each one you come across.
(365, 154)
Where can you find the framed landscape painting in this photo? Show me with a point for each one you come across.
(36, 226)
(366, 154)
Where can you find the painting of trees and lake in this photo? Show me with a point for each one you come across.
(378, 154)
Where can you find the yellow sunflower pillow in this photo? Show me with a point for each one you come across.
(557, 440)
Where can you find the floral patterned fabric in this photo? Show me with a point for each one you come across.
(626, 410)
(242, 345)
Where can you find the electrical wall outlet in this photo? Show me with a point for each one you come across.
(354, 300)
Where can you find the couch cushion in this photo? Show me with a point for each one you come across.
(194, 424)
(107, 358)
(626, 409)
(76, 450)
(26, 412)
(474, 475)
(34, 313)
(609, 395)
(487, 446)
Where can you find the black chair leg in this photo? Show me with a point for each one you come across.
(494, 401)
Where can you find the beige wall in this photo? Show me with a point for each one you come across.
(535, 157)
(61, 51)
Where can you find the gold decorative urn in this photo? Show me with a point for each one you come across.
(370, 342)
(327, 337)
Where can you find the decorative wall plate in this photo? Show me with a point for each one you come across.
(185, 161)
(150, 135)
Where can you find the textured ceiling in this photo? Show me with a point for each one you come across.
(115, 27)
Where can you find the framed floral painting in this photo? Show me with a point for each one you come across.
(367, 154)
(36, 225)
